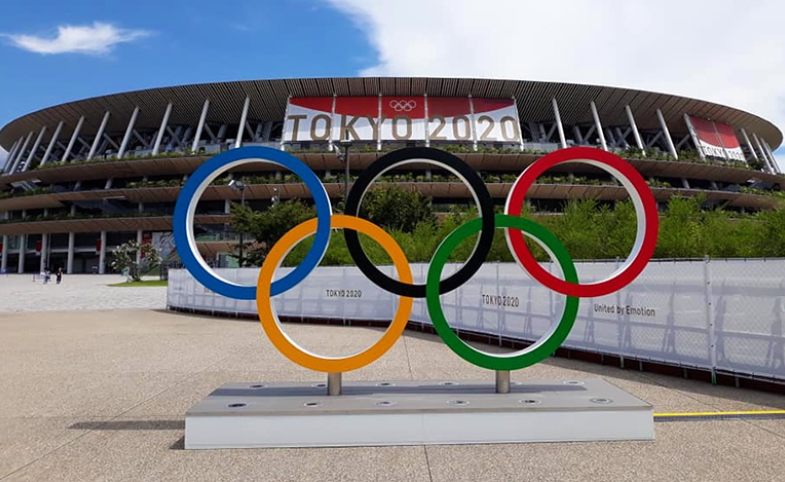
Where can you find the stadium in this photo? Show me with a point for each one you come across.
(86, 176)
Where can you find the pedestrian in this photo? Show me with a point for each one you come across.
(59, 275)
(47, 276)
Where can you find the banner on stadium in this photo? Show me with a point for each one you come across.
(714, 139)
(401, 118)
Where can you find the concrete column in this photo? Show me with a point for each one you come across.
(139, 237)
(98, 136)
(73, 139)
(243, 116)
(4, 256)
(200, 126)
(52, 143)
(749, 144)
(21, 153)
(667, 132)
(634, 128)
(162, 130)
(69, 266)
(44, 250)
(35, 148)
(559, 125)
(102, 254)
(9, 157)
(598, 125)
(128, 131)
(22, 246)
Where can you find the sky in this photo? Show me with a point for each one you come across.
(724, 51)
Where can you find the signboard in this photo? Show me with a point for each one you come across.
(714, 139)
(401, 118)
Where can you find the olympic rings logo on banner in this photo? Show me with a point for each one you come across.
(515, 228)
(403, 105)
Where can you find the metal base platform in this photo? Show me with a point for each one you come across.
(248, 415)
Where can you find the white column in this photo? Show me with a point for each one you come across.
(598, 126)
(667, 132)
(44, 250)
(559, 126)
(128, 132)
(749, 144)
(239, 141)
(73, 139)
(11, 154)
(9, 162)
(161, 131)
(21, 153)
(200, 126)
(102, 254)
(772, 157)
(34, 148)
(4, 256)
(22, 248)
(763, 153)
(139, 237)
(69, 266)
(98, 136)
(634, 128)
(52, 143)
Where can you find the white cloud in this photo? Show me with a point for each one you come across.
(724, 51)
(99, 38)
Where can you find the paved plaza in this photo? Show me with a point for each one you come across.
(95, 383)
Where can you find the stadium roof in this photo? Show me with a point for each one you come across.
(268, 102)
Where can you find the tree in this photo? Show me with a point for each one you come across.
(125, 258)
(267, 227)
(396, 208)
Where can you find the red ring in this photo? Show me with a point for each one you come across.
(590, 290)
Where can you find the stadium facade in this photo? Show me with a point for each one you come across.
(86, 176)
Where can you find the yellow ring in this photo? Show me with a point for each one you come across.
(272, 325)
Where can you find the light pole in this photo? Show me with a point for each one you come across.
(239, 186)
(344, 157)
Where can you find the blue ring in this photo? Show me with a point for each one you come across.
(196, 266)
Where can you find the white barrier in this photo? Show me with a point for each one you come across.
(722, 315)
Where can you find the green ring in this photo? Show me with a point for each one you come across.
(532, 354)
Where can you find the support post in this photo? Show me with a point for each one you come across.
(559, 125)
(98, 136)
(52, 143)
(22, 249)
(102, 254)
(598, 126)
(69, 264)
(21, 153)
(502, 381)
(11, 156)
(772, 157)
(763, 153)
(34, 148)
(44, 250)
(749, 144)
(74, 136)
(200, 126)
(334, 383)
(162, 129)
(710, 319)
(4, 255)
(128, 133)
(667, 132)
(239, 141)
(634, 128)
(139, 237)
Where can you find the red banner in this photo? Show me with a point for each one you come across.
(98, 246)
(38, 246)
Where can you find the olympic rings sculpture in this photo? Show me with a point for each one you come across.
(515, 228)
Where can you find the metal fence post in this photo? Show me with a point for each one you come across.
(710, 319)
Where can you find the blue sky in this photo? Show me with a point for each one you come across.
(54, 51)
(179, 42)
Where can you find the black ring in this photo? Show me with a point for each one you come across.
(425, 155)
